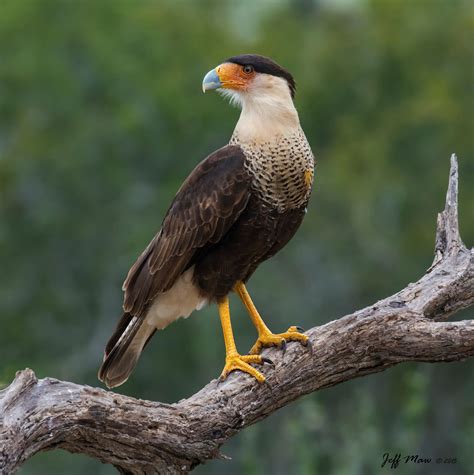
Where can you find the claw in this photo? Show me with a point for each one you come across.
(268, 361)
(300, 329)
(242, 363)
(266, 339)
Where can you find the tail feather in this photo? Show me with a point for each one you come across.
(123, 349)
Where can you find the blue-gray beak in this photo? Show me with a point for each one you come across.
(211, 81)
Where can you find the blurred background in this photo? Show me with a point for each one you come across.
(102, 117)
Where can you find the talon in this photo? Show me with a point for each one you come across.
(266, 339)
(300, 329)
(238, 362)
(268, 361)
(233, 360)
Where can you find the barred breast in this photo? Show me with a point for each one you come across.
(282, 169)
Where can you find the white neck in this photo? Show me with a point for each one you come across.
(267, 111)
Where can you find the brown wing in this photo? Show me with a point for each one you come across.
(205, 207)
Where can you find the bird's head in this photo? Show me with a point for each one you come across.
(262, 88)
(250, 76)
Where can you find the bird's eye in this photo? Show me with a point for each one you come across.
(248, 69)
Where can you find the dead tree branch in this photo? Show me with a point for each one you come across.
(143, 437)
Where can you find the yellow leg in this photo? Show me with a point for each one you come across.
(233, 360)
(265, 336)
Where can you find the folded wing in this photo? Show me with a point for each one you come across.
(208, 203)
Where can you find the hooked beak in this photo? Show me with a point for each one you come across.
(211, 81)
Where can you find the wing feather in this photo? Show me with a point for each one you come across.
(205, 207)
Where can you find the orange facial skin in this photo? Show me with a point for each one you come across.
(233, 76)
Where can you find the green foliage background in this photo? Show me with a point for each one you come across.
(102, 117)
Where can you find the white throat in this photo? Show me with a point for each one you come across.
(267, 110)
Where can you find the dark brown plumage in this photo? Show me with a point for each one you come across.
(204, 208)
(210, 200)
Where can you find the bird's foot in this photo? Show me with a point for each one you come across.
(241, 362)
(278, 339)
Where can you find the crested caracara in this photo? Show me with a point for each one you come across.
(236, 209)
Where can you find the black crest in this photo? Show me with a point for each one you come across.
(262, 64)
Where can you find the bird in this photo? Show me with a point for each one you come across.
(236, 209)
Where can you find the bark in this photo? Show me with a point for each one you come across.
(143, 437)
